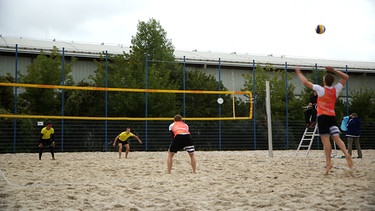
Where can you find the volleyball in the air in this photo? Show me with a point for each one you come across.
(320, 29)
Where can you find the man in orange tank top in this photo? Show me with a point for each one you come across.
(327, 124)
(181, 140)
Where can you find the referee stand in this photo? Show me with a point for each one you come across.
(307, 139)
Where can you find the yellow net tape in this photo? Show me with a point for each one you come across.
(44, 86)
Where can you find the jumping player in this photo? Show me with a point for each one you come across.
(327, 124)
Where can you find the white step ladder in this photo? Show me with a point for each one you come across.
(307, 139)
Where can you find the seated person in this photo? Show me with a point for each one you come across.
(310, 113)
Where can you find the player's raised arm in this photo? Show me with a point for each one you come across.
(343, 77)
(303, 79)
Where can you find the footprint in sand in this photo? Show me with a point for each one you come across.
(349, 173)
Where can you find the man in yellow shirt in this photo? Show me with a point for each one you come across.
(123, 140)
(47, 138)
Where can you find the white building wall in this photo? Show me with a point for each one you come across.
(85, 67)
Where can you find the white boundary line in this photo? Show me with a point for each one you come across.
(6, 179)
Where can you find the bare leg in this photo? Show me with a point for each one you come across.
(170, 161)
(193, 162)
(327, 150)
(341, 144)
(119, 150)
(127, 150)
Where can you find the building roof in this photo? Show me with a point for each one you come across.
(8, 44)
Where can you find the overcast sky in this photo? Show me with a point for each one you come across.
(260, 27)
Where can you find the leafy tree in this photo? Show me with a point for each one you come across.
(6, 94)
(79, 101)
(204, 105)
(119, 76)
(151, 41)
(45, 69)
(363, 103)
(278, 102)
(277, 92)
(6, 107)
(163, 72)
(129, 71)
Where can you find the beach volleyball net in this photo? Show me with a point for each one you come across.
(245, 96)
(96, 133)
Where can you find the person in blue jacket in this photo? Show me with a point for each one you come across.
(353, 134)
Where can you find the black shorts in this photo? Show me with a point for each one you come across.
(122, 142)
(182, 142)
(46, 142)
(328, 125)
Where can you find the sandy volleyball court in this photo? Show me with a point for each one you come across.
(225, 180)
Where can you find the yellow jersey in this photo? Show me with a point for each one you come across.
(47, 133)
(124, 136)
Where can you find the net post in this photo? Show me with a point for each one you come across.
(269, 122)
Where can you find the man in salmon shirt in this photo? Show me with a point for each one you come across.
(327, 124)
(181, 140)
